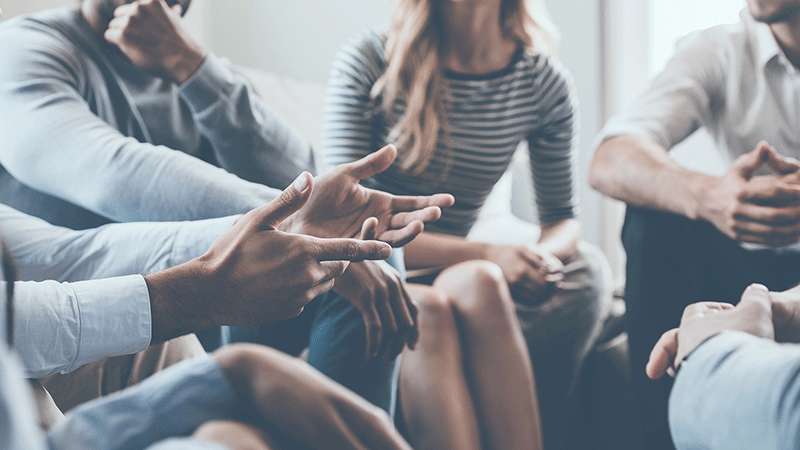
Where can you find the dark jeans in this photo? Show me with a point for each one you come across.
(673, 262)
(334, 332)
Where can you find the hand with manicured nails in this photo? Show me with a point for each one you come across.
(315, 411)
(531, 272)
(151, 34)
(340, 204)
(704, 320)
(254, 273)
(378, 292)
(757, 209)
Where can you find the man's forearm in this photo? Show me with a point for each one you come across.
(639, 172)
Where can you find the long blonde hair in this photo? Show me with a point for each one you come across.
(414, 69)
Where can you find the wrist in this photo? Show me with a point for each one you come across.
(700, 186)
(178, 303)
(186, 64)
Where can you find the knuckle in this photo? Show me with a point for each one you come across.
(351, 250)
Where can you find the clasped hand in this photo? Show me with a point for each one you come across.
(531, 271)
(757, 209)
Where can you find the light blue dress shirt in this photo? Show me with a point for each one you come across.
(158, 413)
(62, 321)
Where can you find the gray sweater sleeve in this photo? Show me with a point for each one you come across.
(737, 391)
(249, 138)
(51, 141)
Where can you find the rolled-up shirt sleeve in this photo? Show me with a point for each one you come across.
(680, 99)
(59, 327)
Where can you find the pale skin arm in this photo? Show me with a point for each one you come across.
(527, 269)
(745, 207)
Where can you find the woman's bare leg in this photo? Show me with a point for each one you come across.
(235, 435)
(436, 401)
(499, 370)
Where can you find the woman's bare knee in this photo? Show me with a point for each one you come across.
(476, 287)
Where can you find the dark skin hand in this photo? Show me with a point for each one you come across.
(254, 273)
(378, 292)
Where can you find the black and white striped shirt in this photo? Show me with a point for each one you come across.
(488, 116)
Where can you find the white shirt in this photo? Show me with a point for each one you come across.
(67, 322)
(734, 80)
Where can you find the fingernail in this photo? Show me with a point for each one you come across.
(301, 183)
(759, 287)
(386, 252)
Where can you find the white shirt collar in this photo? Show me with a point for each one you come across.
(766, 46)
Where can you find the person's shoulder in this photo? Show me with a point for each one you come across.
(54, 23)
(719, 43)
(546, 71)
(51, 32)
(364, 52)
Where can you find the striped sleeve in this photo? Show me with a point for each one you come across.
(348, 131)
(553, 144)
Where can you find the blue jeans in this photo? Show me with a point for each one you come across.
(334, 332)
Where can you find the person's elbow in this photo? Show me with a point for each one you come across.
(602, 168)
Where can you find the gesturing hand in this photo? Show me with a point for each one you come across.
(253, 273)
(315, 411)
(703, 320)
(151, 34)
(757, 209)
(340, 205)
(379, 294)
(530, 271)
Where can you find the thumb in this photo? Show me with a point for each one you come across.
(780, 164)
(369, 229)
(290, 201)
(756, 296)
(372, 164)
(747, 164)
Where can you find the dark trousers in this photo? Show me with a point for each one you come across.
(673, 262)
(334, 332)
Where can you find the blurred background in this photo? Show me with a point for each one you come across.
(612, 48)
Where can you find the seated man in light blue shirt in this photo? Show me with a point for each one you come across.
(737, 383)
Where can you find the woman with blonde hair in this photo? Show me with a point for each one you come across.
(457, 86)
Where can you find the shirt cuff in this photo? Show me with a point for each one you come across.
(195, 238)
(114, 318)
(208, 84)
